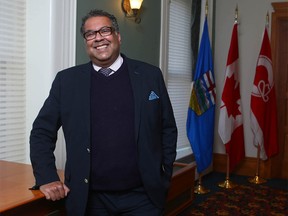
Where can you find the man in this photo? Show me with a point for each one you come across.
(119, 129)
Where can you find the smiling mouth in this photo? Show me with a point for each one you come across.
(101, 47)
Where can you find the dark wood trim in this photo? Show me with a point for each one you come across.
(280, 6)
(278, 165)
(187, 159)
(247, 167)
(181, 191)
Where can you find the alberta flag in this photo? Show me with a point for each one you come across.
(230, 126)
(200, 119)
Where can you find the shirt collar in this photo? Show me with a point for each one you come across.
(115, 66)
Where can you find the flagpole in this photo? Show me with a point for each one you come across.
(256, 179)
(206, 8)
(236, 14)
(267, 20)
(228, 184)
(199, 189)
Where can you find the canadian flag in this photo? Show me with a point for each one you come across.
(230, 126)
(263, 114)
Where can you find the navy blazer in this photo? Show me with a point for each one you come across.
(68, 105)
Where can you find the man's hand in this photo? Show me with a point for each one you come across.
(54, 190)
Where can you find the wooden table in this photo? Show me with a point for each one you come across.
(15, 197)
(17, 200)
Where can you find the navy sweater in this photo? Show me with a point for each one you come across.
(113, 148)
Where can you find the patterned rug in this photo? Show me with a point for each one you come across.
(252, 200)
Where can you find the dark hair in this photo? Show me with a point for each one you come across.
(96, 13)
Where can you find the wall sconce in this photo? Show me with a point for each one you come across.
(131, 9)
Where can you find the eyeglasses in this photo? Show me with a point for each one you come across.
(104, 32)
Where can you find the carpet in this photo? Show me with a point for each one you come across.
(246, 199)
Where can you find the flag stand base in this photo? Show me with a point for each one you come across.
(200, 190)
(257, 180)
(227, 184)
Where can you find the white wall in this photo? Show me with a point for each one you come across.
(252, 19)
(50, 48)
(39, 61)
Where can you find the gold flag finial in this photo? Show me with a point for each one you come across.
(236, 14)
(206, 8)
(267, 19)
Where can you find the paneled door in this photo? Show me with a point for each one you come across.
(279, 44)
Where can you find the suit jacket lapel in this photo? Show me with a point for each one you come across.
(136, 83)
(84, 80)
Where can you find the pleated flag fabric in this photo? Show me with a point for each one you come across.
(263, 115)
(230, 125)
(201, 111)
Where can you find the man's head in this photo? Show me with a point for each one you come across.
(102, 37)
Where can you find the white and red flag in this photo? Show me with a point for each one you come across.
(263, 114)
(230, 126)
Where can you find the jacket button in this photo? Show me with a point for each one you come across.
(86, 181)
(88, 150)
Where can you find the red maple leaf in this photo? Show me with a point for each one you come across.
(231, 95)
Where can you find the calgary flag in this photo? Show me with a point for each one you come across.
(230, 126)
(263, 114)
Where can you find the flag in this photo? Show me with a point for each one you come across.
(263, 113)
(200, 118)
(230, 126)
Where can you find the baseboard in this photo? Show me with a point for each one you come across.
(247, 167)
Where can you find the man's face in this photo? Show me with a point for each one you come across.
(102, 51)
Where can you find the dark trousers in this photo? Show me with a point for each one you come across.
(134, 202)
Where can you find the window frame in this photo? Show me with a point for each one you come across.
(185, 150)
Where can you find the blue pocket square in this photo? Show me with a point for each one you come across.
(153, 96)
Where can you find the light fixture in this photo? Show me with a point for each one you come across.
(131, 9)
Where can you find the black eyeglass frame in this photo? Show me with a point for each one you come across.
(102, 31)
